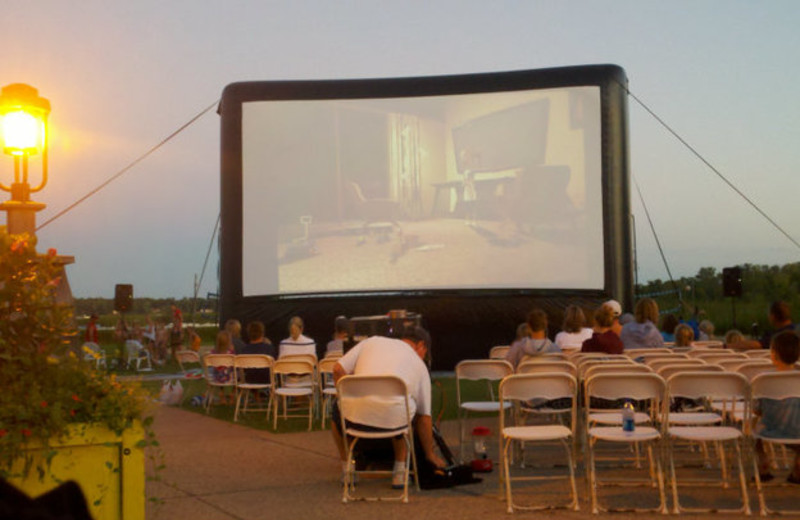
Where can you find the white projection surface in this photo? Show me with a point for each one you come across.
(474, 191)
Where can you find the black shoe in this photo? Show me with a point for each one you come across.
(791, 479)
(764, 477)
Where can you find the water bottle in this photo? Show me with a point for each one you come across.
(628, 415)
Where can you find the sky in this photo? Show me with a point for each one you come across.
(121, 76)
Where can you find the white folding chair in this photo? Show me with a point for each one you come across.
(655, 364)
(777, 386)
(488, 370)
(713, 356)
(636, 352)
(707, 385)
(754, 367)
(327, 388)
(655, 358)
(499, 351)
(284, 371)
(242, 364)
(531, 367)
(666, 371)
(521, 388)
(707, 344)
(758, 354)
(394, 419)
(644, 387)
(219, 374)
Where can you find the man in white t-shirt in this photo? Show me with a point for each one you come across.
(403, 358)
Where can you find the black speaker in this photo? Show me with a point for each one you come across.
(123, 297)
(732, 281)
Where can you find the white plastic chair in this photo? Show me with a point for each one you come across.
(242, 363)
(525, 387)
(778, 386)
(647, 387)
(137, 355)
(94, 354)
(211, 363)
(284, 370)
(489, 370)
(707, 385)
(499, 351)
(391, 392)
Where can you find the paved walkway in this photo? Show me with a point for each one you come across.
(216, 470)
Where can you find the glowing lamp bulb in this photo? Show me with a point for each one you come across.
(23, 133)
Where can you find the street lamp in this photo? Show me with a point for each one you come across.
(23, 124)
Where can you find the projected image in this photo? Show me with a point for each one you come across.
(498, 190)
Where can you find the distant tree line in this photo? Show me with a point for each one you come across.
(204, 309)
(761, 285)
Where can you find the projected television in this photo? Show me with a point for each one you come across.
(500, 183)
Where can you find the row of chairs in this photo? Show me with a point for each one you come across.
(616, 377)
(298, 384)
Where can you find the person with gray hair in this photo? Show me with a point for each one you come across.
(296, 343)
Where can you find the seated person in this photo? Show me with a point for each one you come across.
(258, 345)
(223, 345)
(603, 339)
(780, 418)
(234, 328)
(780, 318)
(340, 333)
(684, 335)
(296, 343)
(404, 358)
(523, 331)
(732, 337)
(535, 345)
(706, 331)
(643, 333)
(668, 324)
(575, 331)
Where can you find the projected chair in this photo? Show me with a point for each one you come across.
(374, 211)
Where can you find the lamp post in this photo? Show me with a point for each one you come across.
(23, 120)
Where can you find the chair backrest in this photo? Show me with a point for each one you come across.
(293, 366)
(625, 386)
(542, 385)
(301, 357)
(586, 365)
(758, 353)
(650, 358)
(729, 364)
(615, 368)
(499, 351)
(710, 355)
(388, 390)
(655, 364)
(752, 369)
(532, 367)
(325, 369)
(187, 356)
(636, 352)
(714, 385)
(776, 385)
(707, 344)
(253, 361)
(666, 371)
(476, 369)
(333, 355)
(211, 361)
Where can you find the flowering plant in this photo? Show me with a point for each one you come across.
(46, 386)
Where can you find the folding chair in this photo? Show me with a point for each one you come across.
(327, 388)
(758, 354)
(187, 356)
(499, 351)
(395, 417)
(488, 370)
(707, 385)
(755, 367)
(777, 386)
(707, 344)
(647, 387)
(718, 355)
(219, 374)
(283, 389)
(654, 358)
(258, 362)
(636, 352)
(525, 387)
(531, 367)
(666, 371)
(655, 364)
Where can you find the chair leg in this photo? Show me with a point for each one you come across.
(592, 477)
(742, 481)
(506, 472)
(574, 504)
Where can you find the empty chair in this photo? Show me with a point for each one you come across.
(766, 387)
(666, 371)
(186, 357)
(526, 387)
(586, 365)
(394, 417)
(616, 368)
(655, 364)
(138, 356)
(219, 374)
(711, 355)
(499, 351)
(707, 344)
(648, 389)
(758, 354)
(283, 390)
(707, 385)
(754, 367)
(252, 376)
(652, 358)
(636, 352)
(327, 388)
(491, 371)
(537, 366)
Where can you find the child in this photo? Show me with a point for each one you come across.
(224, 345)
(780, 418)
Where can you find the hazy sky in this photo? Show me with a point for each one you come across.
(122, 75)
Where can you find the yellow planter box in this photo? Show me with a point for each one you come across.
(108, 467)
